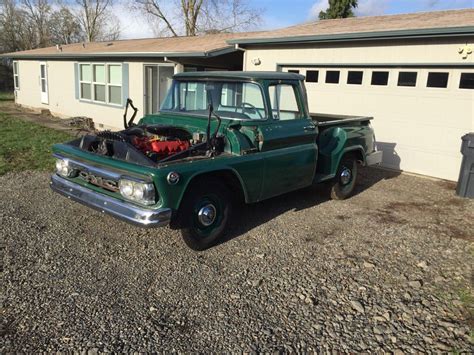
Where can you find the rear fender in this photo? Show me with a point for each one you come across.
(334, 143)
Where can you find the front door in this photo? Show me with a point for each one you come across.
(289, 141)
(44, 83)
(157, 82)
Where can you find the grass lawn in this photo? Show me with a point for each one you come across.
(25, 145)
(6, 95)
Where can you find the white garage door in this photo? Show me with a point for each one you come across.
(420, 113)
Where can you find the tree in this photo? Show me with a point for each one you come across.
(339, 9)
(191, 17)
(97, 21)
(38, 13)
(17, 32)
(65, 28)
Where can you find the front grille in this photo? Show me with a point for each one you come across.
(96, 180)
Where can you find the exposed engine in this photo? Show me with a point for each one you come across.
(157, 142)
(152, 144)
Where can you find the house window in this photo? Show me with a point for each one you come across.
(437, 80)
(380, 78)
(332, 76)
(467, 81)
(355, 77)
(407, 78)
(101, 83)
(16, 76)
(312, 76)
(294, 71)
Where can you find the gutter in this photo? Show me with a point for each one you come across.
(361, 36)
(121, 55)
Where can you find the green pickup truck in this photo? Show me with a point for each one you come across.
(220, 138)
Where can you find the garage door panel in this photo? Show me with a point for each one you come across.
(419, 128)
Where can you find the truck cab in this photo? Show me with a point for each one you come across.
(220, 138)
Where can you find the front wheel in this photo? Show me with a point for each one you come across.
(343, 184)
(205, 214)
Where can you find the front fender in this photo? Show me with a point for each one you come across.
(172, 195)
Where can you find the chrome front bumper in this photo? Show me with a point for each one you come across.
(125, 211)
(374, 158)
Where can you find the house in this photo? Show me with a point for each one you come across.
(414, 73)
(95, 79)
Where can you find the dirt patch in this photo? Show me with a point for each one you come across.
(442, 217)
(76, 125)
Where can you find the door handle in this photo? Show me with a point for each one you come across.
(309, 128)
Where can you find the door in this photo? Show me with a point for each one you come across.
(289, 141)
(44, 83)
(157, 82)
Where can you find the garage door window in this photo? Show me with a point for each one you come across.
(467, 81)
(380, 78)
(407, 78)
(332, 76)
(355, 77)
(312, 76)
(437, 80)
(284, 102)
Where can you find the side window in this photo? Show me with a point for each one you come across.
(16, 76)
(284, 102)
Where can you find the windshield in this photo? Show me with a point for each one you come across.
(241, 100)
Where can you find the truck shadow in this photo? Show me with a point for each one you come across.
(251, 216)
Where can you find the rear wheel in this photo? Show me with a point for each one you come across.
(205, 214)
(343, 184)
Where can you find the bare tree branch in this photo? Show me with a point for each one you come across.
(202, 16)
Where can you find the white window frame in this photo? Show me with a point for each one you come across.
(92, 83)
(16, 75)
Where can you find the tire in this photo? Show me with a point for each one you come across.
(205, 214)
(343, 184)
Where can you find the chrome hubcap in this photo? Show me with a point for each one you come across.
(207, 215)
(346, 176)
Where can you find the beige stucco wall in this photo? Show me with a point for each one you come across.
(419, 128)
(61, 91)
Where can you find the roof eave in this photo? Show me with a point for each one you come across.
(361, 36)
(60, 55)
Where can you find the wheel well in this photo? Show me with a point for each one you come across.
(229, 178)
(357, 153)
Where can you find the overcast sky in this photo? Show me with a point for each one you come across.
(282, 13)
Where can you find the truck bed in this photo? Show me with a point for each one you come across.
(323, 119)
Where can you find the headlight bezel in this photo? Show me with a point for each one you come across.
(64, 168)
(148, 195)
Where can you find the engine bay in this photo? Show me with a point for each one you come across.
(154, 144)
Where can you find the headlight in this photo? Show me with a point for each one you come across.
(141, 192)
(64, 169)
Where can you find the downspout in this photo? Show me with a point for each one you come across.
(178, 67)
(238, 48)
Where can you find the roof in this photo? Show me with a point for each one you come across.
(431, 24)
(197, 46)
(236, 75)
(438, 23)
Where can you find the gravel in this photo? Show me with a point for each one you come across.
(383, 271)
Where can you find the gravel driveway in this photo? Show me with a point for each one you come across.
(389, 269)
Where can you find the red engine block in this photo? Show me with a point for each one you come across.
(151, 145)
